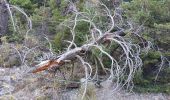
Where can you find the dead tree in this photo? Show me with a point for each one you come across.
(121, 69)
(4, 16)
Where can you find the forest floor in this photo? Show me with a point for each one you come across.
(16, 84)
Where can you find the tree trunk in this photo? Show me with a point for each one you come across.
(3, 18)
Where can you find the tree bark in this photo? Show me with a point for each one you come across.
(4, 16)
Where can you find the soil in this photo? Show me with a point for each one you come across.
(18, 84)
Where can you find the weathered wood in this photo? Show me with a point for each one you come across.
(69, 55)
(4, 16)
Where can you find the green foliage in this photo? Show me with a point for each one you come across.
(80, 5)
(27, 5)
(15, 37)
(57, 15)
(82, 30)
(163, 76)
(64, 34)
(162, 26)
(39, 2)
(153, 55)
(138, 79)
(58, 42)
(145, 82)
(57, 12)
(153, 88)
(41, 14)
(149, 62)
(155, 16)
(148, 11)
(144, 79)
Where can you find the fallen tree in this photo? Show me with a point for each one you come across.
(122, 68)
(107, 30)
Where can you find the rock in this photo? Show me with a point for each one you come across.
(5, 78)
(11, 60)
(159, 97)
(72, 85)
(5, 89)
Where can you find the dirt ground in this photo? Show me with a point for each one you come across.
(17, 84)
